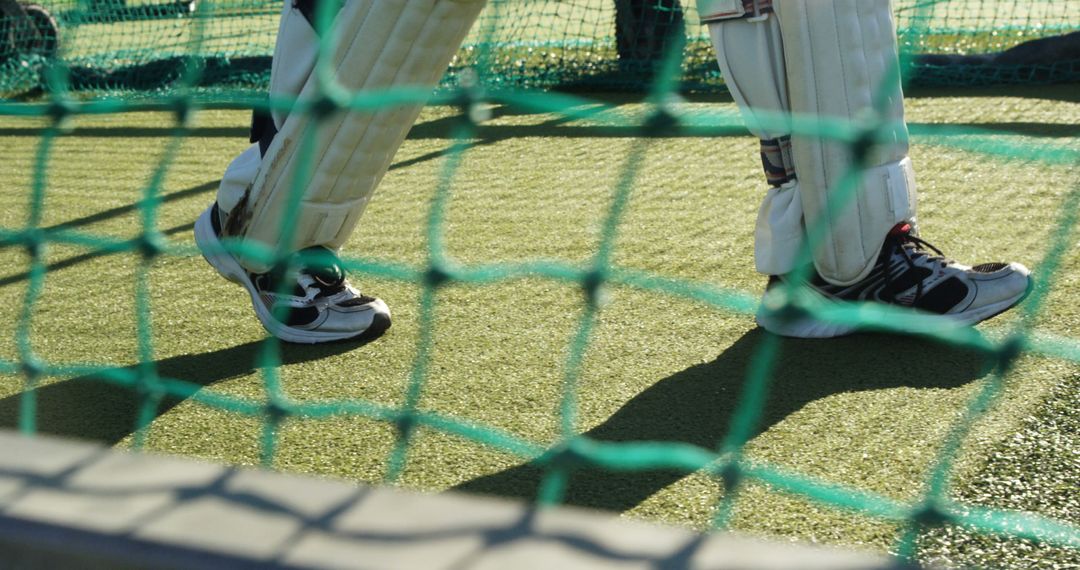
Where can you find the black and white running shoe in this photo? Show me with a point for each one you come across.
(316, 304)
(909, 273)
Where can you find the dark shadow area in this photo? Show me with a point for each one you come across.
(89, 408)
(561, 127)
(488, 134)
(1038, 130)
(485, 134)
(77, 259)
(130, 132)
(1051, 59)
(1040, 51)
(695, 406)
(245, 71)
(102, 216)
(122, 210)
(1067, 93)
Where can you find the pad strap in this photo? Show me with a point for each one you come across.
(777, 160)
(716, 10)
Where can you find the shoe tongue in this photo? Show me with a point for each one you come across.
(901, 230)
(898, 240)
(323, 266)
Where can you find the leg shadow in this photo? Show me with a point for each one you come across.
(695, 406)
(89, 408)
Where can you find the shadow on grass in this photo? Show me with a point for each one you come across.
(133, 208)
(126, 210)
(695, 406)
(84, 257)
(122, 132)
(1063, 92)
(89, 408)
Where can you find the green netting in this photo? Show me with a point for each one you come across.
(725, 462)
(111, 45)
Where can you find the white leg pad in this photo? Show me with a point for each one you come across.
(378, 44)
(840, 56)
(779, 233)
(751, 58)
(238, 177)
(295, 50)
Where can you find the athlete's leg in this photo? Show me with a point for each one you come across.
(415, 40)
(838, 59)
(751, 55)
(295, 50)
(833, 61)
(374, 45)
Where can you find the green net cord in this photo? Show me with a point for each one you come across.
(573, 451)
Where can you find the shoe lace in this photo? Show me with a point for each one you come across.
(911, 248)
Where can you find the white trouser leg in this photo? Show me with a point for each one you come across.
(295, 51)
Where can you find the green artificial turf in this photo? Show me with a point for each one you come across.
(1035, 469)
(868, 411)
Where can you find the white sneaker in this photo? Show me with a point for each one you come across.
(907, 275)
(317, 305)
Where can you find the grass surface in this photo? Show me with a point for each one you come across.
(1035, 469)
(867, 411)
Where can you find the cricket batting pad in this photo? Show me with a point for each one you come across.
(376, 45)
(751, 56)
(827, 58)
(295, 51)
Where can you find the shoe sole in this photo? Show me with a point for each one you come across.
(813, 328)
(226, 265)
